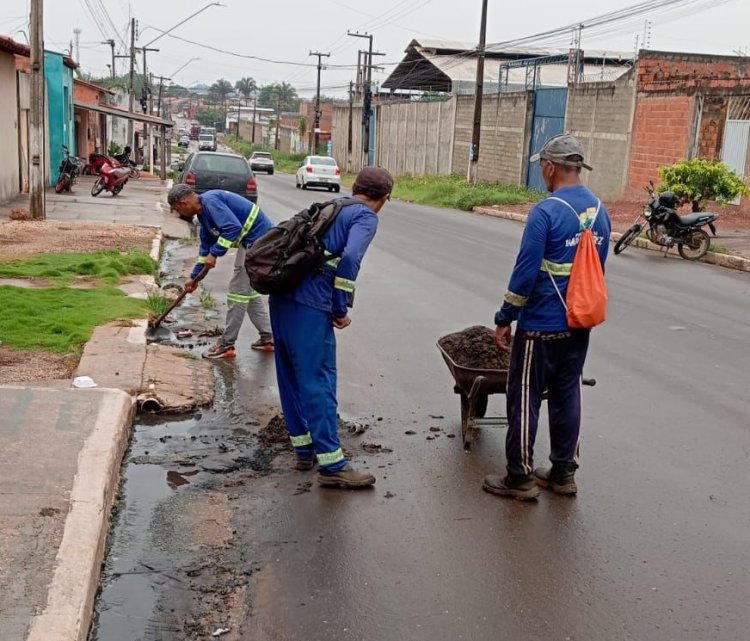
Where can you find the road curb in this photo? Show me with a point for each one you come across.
(70, 598)
(729, 261)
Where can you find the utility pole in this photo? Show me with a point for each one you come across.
(148, 143)
(351, 122)
(163, 154)
(278, 118)
(255, 109)
(473, 173)
(316, 127)
(37, 165)
(77, 34)
(111, 44)
(367, 99)
(131, 82)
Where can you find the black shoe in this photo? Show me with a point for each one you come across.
(558, 479)
(521, 488)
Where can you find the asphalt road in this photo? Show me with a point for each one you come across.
(655, 546)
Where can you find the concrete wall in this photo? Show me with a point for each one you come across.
(504, 141)
(9, 159)
(350, 162)
(60, 124)
(600, 114)
(415, 137)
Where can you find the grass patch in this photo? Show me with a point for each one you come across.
(454, 192)
(157, 302)
(207, 299)
(108, 267)
(285, 163)
(720, 249)
(60, 320)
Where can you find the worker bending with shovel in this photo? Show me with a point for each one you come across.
(227, 220)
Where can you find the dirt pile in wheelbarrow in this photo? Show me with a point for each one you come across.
(475, 348)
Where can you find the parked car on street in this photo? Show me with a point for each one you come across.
(184, 141)
(209, 170)
(206, 142)
(262, 161)
(319, 171)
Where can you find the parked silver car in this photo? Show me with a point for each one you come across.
(319, 171)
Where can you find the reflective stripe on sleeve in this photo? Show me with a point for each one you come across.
(301, 441)
(556, 269)
(226, 244)
(515, 299)
(330, 458)
(247, 226)
(344, 284)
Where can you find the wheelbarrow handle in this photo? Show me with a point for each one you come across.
(588, 381)
(201, 275)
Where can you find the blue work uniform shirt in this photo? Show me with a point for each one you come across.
(223, 224)
(548, 246)
(330, 289)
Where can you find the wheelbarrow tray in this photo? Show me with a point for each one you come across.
(494, 381)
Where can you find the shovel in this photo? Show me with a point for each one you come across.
(155, 331)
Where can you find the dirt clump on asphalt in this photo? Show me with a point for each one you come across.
(274, 431)
(18, 366)
(475, 348)
(21, 238)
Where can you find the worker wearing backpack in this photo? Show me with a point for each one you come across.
(556, 294)
(303, 319)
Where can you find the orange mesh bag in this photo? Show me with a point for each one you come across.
(586, 299)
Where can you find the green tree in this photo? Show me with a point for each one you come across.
(209, 117)
(220, 90)
(246, 86)
(281, 96)
(698, 181)
(302, 126)
(177, 91)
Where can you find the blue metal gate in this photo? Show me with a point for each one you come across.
(549, 120)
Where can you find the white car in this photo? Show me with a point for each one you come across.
(206, 142)
(262, 161)
(319, 171)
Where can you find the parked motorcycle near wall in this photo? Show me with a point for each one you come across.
(667, 228)
(111, 179)
(70, 168)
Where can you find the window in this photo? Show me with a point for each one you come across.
(320, 160)
(221, 164)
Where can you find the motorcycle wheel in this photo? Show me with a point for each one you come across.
(98, 187)
(628, 237)
(117, 190)
(62, 184)
(697, 245)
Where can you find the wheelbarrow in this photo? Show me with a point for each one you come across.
(474, 386)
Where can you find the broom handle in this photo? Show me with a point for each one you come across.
(201, 275)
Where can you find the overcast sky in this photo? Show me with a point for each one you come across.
(286, 30)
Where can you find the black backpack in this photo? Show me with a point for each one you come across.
(281, 259)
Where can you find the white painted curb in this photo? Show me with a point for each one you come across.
(722, 260)
(70, 598)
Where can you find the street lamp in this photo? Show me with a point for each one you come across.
(174, 74)
(182, 22)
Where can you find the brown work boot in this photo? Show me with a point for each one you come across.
(521, 488)
(558, 479)
(348, 477)
(303, 464)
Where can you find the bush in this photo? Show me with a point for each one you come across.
(698, 181)
(114, 148)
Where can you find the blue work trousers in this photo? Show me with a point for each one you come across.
(537, 365)
(305, 352)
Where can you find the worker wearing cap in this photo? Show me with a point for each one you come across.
(546, 354)
(227, 220)
(303, 321)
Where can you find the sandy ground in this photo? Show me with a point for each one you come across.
(20, 239)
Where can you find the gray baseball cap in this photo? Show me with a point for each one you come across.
(559, 150)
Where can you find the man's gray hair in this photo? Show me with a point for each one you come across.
(177, 193)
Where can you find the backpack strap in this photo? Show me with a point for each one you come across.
(575, 213)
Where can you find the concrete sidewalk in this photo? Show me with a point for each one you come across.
(60, 454)
(61, 448)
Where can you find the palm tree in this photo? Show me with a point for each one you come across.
(247, 87)
(221, 89)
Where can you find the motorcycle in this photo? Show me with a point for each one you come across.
(111, 179)
(125, 161)
(70, 168)
(96, 161)
(667, 228)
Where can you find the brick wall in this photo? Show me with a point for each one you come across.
(600, 115)
(713, 119)
(504, 139)
(660, 72)
(661, 135)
